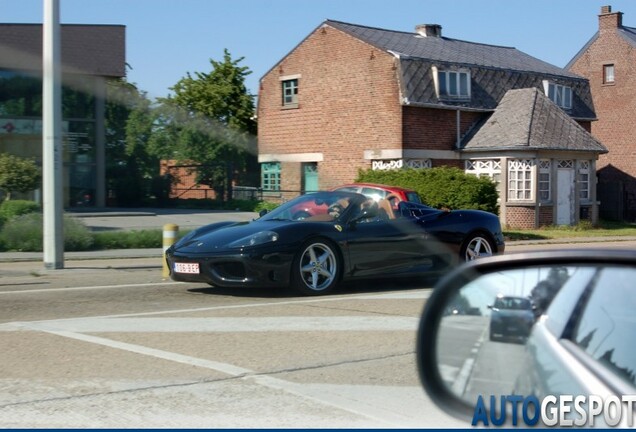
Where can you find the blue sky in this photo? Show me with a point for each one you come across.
(165, 39)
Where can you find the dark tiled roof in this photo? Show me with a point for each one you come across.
(526, 119)
(494, 69)
(443, 49)
(86, 49)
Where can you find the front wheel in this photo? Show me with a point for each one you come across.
(476, 246)
(316, 268)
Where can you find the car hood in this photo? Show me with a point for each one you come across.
(221, 235)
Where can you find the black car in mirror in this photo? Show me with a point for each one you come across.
(537, 338)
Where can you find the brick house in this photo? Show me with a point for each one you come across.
(608, 61)
(352, 97)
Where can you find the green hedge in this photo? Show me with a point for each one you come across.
(13, 208)
(24, 234)
(441, 187)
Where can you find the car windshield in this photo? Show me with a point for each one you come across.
(515, 303)
(413, 197)
(317, 207)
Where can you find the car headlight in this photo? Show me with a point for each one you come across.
(255, 239)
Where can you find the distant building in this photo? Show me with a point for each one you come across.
(608, 61)
(352, 97)
(90, 55)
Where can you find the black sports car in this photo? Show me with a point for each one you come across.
(349, 236)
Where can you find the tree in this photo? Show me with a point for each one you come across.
(131, 167)
(209, 122)
(18, 174)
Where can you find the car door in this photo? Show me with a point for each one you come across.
(386, 247)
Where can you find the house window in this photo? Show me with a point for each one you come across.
(559, 94)
(520, 179)
(490, 168)
(270, 176)
(584, 180)
(453, 84)
(418, 163)
(545, 180)
(290, 93)
(608, 74)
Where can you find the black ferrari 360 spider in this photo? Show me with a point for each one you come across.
(349, 236)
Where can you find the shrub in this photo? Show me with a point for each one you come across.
(12, 208)
(128, 239)
(265, 205)
(24, 233)
(441, 187)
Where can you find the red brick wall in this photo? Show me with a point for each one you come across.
(519, 217)
(348, 102)
(186, 186)
(434, 129)
(615, 104)
(546, 215)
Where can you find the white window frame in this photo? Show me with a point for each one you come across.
(521, 180)
(608, 74)
(270, 176)
(484, 167)
(460, 89)
(290, 92)
(560, 94)
(583, 178)
(545, 180)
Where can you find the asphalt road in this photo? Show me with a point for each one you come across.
(111, 344)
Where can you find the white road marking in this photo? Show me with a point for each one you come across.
(214, 324)
(354, 399)
(45, 290)
(342, 397)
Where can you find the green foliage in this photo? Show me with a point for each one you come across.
(18, 174)
(265, 205)
(130, 166)
(10, 209)
(441, 187)
(25, 233)
(209, 122)
(128, 239)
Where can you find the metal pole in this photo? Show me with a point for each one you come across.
(52, 138)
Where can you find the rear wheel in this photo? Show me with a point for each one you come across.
(475, 246)
(316, 268)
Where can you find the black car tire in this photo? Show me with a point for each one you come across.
(476, 245)
(316, 268)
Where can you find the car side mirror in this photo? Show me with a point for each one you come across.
(468, 350)
(263, 212)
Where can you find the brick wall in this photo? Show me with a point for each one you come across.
(434, 129)
(519, 217)
(348, 103)
(546, 215)
(186, 186)
(615, 105)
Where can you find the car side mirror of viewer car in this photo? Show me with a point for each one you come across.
(530, 324)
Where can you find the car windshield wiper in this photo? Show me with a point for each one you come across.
(279, 219)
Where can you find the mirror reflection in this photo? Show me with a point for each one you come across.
(499, 332)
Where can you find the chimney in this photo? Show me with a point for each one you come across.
(429, 30)
(609, 20)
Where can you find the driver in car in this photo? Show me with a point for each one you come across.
(336, 209)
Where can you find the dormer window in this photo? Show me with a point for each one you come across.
(559, 94)
(453, 84)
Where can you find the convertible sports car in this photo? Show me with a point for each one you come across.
(350, 236)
